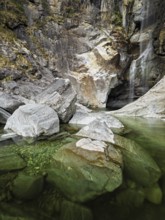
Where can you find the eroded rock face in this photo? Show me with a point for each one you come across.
(82, 172)
(33, 120)
(61, 97)
(152, 104)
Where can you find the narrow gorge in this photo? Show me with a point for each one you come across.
(82, 109)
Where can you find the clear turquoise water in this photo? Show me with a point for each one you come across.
(150, 134)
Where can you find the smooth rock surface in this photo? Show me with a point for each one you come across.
(152, 104)
(61, 97)
(33, 120)
(82, 174)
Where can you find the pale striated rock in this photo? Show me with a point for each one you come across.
(61, 97)
(88, 144)
(152, 104)
(33, 120)
(97, 130)
(85, 116)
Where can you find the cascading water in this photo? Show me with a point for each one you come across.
(140, 67)
(132, 74)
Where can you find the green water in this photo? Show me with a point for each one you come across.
(150, 134)
(125, 203)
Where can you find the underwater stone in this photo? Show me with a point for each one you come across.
(138, 164)
(27, 187)
(11, 162)
(82, 174)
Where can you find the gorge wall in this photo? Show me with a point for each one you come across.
(112, 51)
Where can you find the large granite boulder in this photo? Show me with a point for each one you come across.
(86, 169)
(33, 120)
(61, 97)
(85, 116)
(4, 115)
(152, 104)
(8, 102)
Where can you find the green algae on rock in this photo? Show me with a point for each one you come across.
(81, 174)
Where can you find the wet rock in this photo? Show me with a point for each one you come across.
(33, 120)
(61, 97)
(11, 162)
(82, 171)
(8, 102)
(27, 187)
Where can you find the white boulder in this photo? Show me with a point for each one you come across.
(33, 120)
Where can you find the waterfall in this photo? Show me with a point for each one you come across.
(140, 67)
(132, 75)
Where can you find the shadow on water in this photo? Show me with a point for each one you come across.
(129, 201)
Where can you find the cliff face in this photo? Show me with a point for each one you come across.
(97, 44)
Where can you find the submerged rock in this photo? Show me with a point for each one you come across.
(73, 211)
(138, 164)
(11, 162)
(152, 104)
(33, 120)
(61, 97)
(154, 194)
(83, 171)
(27, 187)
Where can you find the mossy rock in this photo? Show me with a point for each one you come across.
(27, 187)
(73, 211)
(154, 194)
(11, 162)
(82, 175)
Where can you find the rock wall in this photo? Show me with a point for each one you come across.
(91, 42)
